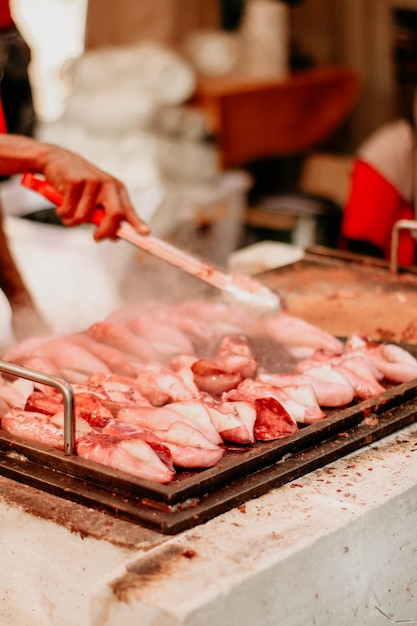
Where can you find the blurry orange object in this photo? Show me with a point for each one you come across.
(262, 118)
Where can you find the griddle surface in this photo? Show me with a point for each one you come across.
(346, 293)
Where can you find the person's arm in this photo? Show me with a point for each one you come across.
(25, 318)
(82, 185)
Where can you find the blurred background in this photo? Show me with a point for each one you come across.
(231, 122)
(377, 38)
(55, 31)
(145, 91)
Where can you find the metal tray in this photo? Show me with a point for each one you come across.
(247, 472)
(195, 497)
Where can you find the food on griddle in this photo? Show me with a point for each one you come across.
(392, 361)
(303, 409)
(189, 448)
(329, 389)
(132, 454)
(161, 390)
(298, 335)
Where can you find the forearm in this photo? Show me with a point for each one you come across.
(11, 281)
(80, 183)
(25, 317)
(19, 154)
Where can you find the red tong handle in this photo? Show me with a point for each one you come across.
(39, 184)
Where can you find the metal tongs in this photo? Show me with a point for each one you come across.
(245, 291)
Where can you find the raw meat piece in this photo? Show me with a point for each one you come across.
(197, 415)
(344, 391)
(25, 348)
(304, 395)
(189, 448)
(213, 379)
(12, 396)
(166, 340)
(227, 419)
(395, 363)
(161, 418)
(45, 403)
(234, 354)
(33, 426)
(132, 455)
(119, 362)
(363, 387)
(90, 408)
(272, 420)
(222, 318)
(122, 338)
(68, 356)
(118, 391)
(291, 331)
(156, 378)
(329, 392)
(250, 390)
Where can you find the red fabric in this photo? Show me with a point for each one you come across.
(373, 207)
(6, 20)
(3, 127)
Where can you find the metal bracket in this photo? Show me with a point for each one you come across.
(400, 225)
(58, 383)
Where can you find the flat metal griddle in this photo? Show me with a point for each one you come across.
(244, 472)
(344, 293)
(196, 497)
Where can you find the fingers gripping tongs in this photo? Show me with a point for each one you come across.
(245, 291)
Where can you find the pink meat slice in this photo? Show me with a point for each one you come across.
(38, 363)
(234, 354)
(119, 362)
(119, 390)
(26, 348)
(272, 420)
(392, 361)
(227, 419)
(132, 455)
(41, 402)
(196, 414)
(167, 340)
(364, 389)
(304, 394)
(91, 409)
(212, 378)
(33, 426)
(189, 448)
(161, 418)
(292, 331)
(11, 396)
(67, 355)
(328, 391)
(120, 337)
(197, 329)
(222, 318)
(252, 389)
(155, 379)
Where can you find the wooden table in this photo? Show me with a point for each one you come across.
(262, 118)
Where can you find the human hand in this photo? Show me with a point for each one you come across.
(83, 187)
